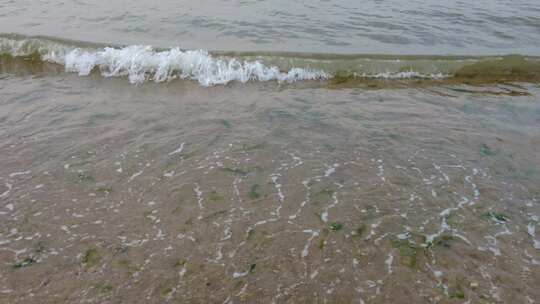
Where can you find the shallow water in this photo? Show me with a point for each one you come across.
(267, 192)
(339, 26)
(269, 151)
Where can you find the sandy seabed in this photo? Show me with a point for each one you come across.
(266, 193)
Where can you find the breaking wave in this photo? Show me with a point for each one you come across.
(145, 63)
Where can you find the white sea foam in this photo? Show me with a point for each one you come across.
(143, 63)
(404, 75)
(388, 263)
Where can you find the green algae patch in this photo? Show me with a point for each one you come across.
(442, 241)
(103, 287)
(250, 233)
(486, 150)
(336, 226)
(28, 261)
(394, 136)
(214, 196)
(128, 266)
(91, 257)
(252, 268)
(329, 147)
(360, 229)
(84, 177)
(189, 155)
(236, 171)
(468, 109)
(147, 214)
(407, 250)
(452, 219)
(456, 292)
(104, 190)
(226, 124)
(357, 117)
(253, 192)
(39, 248)
(246, 147)
(215, 214)
(94, 119)
(179, 263)
(497, 216)
(325, 193)
(320, 243)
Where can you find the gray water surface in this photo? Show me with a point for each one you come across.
(339, 26)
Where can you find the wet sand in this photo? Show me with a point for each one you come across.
(267, 193)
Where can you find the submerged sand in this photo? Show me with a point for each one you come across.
(265, 193)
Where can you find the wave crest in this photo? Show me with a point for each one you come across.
(142, 63)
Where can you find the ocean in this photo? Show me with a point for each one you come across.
(269, 151)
